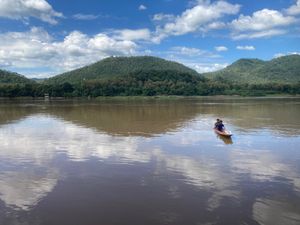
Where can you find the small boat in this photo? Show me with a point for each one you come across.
(224, 133)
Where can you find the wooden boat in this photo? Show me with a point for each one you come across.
(224, 133)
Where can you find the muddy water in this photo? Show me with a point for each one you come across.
(149, 162)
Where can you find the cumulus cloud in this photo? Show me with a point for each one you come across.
(208, 67)
(294, 9)
(221, 48)
(36, 48)
(215, 26)
(24, 9)
(261, 20)
(81, 16)
(262, 23)
(247, 48)
(194, 19)
(142, 7)
(205, 16)
(190, 52)
(163, 17)
(127, 34)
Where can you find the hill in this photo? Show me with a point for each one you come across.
(284, 70)
(117, 67)
(7, 77)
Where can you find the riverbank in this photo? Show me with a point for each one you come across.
(159, 97)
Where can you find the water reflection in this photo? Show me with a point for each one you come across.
(24, 188)
(11, 113)
(150, 118)
(226, 140)
(254, 114)
(51, 160)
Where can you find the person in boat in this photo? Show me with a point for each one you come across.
(217, 123)
(221, 126)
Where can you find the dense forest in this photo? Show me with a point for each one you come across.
(284, 69)
(7, 77)
(145, 76)
(146, 84)
(117, 67)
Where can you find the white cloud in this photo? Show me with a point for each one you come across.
(38, 54)
(190, 52)
(221, 48)
(262, 23)
(277, 55)
(215, 26)
(142, 7)
(246, 47)
(260, 34)
(126, 34)
(187, 51)
(198, 59)
(81, 16)
(294, 9)
(200, 63)
(285, 54)
(262, 20)
(163, 17)
(195, 19)
(24, 9)
(37, 49)
(208, 67)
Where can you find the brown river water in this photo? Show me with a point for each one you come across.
(150, 162)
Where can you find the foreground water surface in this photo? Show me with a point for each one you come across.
(149, 162)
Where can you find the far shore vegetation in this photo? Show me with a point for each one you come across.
(134, 87)
(152, 76)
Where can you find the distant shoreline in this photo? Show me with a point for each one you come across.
(158, 97)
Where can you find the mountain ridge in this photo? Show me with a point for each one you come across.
(285, 69)
(7, 77)
(115, 67)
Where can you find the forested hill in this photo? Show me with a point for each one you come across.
(148, 76)
(117, 67)
(285, 70)
(7, 77)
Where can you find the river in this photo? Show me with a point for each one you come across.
(127, 162)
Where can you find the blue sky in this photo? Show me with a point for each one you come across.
(42, 38)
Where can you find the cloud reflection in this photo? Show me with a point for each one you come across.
(35, 143)
(263, 165)
(30, 147)
(24, 188)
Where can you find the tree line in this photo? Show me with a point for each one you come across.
(146, 84)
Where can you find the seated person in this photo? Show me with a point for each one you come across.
(217, 123)
(220, 126)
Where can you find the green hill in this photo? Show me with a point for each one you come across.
(284, 69)
(117, 67)
(7, 77)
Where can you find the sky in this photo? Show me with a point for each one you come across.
(43, 38)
